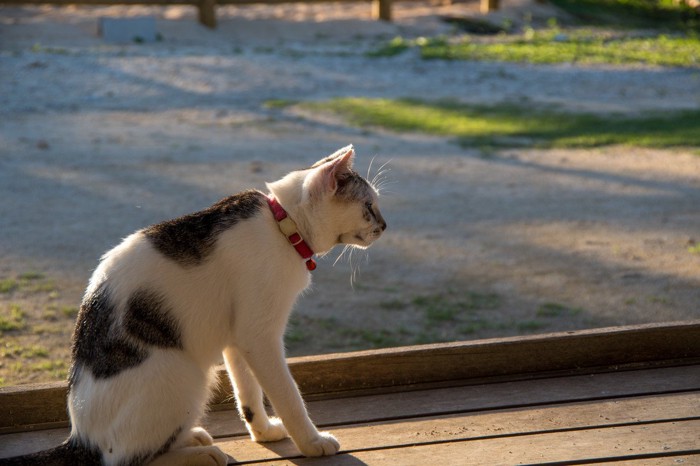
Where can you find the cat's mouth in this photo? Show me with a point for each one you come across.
(361, 239)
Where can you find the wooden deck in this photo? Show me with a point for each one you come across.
(628, 396)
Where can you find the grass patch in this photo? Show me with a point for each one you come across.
(364, 338)
(31, 282)
(27, 276)
(12, 350)
(452, 307)
(58, 369)
(13, 319)
(69, 311)
(513, 126)
(579, 46)
(395, 46)
(8, 285)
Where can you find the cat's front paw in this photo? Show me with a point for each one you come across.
(323, 445)
(273, 432)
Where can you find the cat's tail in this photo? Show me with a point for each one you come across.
(69, 453)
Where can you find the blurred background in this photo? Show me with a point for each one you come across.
(539, 163)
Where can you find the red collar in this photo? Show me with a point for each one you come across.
(289, 229)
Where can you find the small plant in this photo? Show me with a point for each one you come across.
(31, 276)
(15, 320)
(8, 285)
(395, 46)
(69, 311)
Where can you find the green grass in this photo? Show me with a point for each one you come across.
(8, 285)
(13, 318)
(554, 45)
(449, 307)
(32, 282)
(581, 46)
(513, 126)
(12, 350)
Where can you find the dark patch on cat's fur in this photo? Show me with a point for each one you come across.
(169, 442)
(100, 345)
(148, 320)
(140, 460)
(352, 187)
(189, 239)
(70, 453)
(248, 414)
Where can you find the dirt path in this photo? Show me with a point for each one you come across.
(98, 140)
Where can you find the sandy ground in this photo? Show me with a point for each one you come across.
(97, 140)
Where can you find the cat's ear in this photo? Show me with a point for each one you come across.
(339, 153)
(331, 169)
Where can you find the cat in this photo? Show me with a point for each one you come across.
(165, 304)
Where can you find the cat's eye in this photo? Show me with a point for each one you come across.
(368, 205)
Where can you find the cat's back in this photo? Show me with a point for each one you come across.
(183, 245)
(189, 240)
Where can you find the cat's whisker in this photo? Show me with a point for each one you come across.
(369, 169)
(342, 253)
(380, 176)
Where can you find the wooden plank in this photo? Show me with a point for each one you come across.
(495, 425)
(342, 374)
(477, 398)
(594, 445)
(26, 405)
(518, 396)
(565, 351)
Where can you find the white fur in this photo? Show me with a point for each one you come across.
(237, 302)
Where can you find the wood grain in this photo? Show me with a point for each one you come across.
(592, 446)
(496, 426)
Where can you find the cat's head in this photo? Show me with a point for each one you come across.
(336, 205)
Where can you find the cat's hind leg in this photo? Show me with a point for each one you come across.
(249, 397)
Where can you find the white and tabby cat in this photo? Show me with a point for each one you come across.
(162, 307)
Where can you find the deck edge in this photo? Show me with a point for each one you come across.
(30, 406)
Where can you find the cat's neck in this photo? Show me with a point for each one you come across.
(289, 192)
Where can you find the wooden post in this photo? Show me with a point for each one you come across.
(381, 9)
(489, 5)
(207, 13)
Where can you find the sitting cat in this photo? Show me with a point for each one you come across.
(163, 305)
